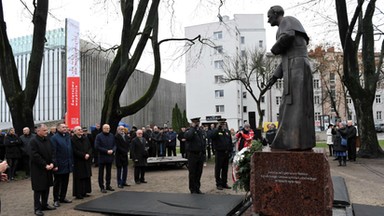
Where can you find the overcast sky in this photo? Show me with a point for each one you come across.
(102, 23)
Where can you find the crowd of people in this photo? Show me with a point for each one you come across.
(49, 156)
(341, 140)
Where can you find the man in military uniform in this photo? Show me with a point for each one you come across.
(222, 144)
(296, 125)
(195, 145)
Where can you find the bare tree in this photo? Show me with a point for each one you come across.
(21, 101)
(253, 69)
(140, 27)
(359, 30)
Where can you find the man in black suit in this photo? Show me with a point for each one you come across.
(139, 149)
(41, 169)
(121, 157)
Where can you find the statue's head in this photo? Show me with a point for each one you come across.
(275, 13)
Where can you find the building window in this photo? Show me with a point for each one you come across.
(278, 100)
(242, 40)
(219, 108)
(317, 116)
(219, 64)
(244, 95)
(261, 44)
(219, 93)
(245, 109)
(238, 109)
(218, 49)
(218, 35)
(316, 84)
(242, 53)
(279, 84)
(349, 99)
(333, 91)
(262, 99)
(219, 79)
(378, 99)
(332, 78)
(378, 115)
(263, 112)
(317, 99)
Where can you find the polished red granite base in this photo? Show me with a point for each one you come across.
(291, 183)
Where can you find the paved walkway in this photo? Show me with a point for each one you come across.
(364, 178)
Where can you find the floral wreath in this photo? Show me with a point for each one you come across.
(241, 166)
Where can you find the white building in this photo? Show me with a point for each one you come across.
(207, 97)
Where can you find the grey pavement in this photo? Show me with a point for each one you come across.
(364, 179)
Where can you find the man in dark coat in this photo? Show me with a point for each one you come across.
(296, 116)
(139, 149)
(94, 133)
(171, 137)
(122, 149)
(222, 143)
(62, 154)
(351, 138)
(82, 169)
(106, 147)
(41, 169)
(182, 140)
(158, 140)
(196, 144)
(25, 149)
(12, 145)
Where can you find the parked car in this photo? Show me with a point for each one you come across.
(379, 127)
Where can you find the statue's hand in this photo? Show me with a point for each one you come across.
(270, 83)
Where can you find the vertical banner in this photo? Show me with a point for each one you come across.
(72, 41)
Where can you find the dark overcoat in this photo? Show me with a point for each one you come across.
(139, 152)
(82, 167)
(12, 145)
(122, 149)
(103, 143)
(41, 156)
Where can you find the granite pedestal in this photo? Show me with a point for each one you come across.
(291, 183)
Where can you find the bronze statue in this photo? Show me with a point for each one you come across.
(296, 114)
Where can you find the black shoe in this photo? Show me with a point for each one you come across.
(86, 195)
(219, 188)
(120, 186)
(144, 181)
(199, 192)
(103, 190)
(227, 187)
(110, 188)
(39, 213)
(48, 207)
(56, 204)
(65, 201)
(125, 184)
(79, 197)
(138, 182)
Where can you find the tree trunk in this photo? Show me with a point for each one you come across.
(369, 144)
(261, 116)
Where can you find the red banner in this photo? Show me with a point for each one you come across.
(73, 73)
(73, 102)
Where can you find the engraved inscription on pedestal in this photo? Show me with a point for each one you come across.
(288, 183)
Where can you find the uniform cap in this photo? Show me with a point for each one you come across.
(195, 119)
